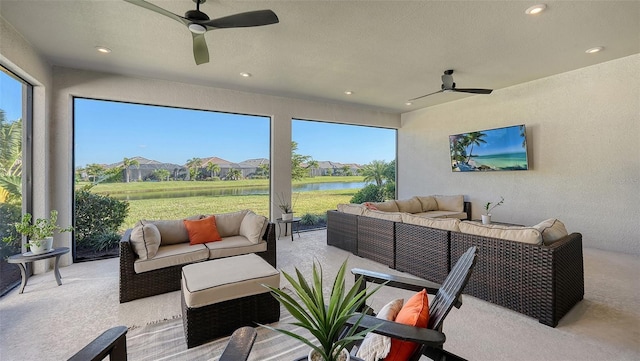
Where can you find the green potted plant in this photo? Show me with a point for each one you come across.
(486, 218)
(324, 317)
(40, 232)
(285, 207)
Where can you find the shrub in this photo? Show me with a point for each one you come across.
(97, 216)
(370, 193)
(309, 219)
(101, 242)
(9, 215)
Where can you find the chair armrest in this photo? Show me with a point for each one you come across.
(240, 344)
(112, 343)
(405, 283)
(400, 331)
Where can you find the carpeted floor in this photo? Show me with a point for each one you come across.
(48, 322)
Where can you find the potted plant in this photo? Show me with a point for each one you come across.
(285, 207)
(324, 317)
(40, 232)
(486, 218)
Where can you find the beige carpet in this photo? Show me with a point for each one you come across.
(48, 322)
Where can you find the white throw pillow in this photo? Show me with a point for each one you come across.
(552, 230)
(229, 223)
(252, 227)
(387, 206)
(428, 203)
(145, 240)
(375, 346)
(351, 208)
(411, 205)
(172, 231)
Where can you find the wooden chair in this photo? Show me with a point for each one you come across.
(113, 343)
(447, 295)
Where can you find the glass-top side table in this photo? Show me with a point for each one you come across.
(23, 258)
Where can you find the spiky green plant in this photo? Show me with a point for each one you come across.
(324, 318)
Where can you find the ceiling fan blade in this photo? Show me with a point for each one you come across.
(200, 49)
(159, 10)
(420, 97)
(243, 20)
(474, 91)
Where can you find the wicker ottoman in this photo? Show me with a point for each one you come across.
(222, 295)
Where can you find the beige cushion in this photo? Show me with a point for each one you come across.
(512, 233)
(411, 205)
(388, 206)
(448, 224)
(173, 255)
(172, 231)
(145, 240)
(375, 346)
(552, 230)
(251, 226)
(356, 209)
(389, 216)
(226, 279)
(442, 214)
(229, 223)
(450, 203)
(234, 246)
(428, 203)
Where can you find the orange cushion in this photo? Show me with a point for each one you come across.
(415, 312)
(202, 231)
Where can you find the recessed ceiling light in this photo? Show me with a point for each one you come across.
(245, 75)
(348, 92)
(597, 49)
(408, 103)
(535, 9)
(103, 49)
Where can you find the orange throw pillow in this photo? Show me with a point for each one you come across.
(202, 230)
(415, 312)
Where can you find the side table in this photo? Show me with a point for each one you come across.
(23, 258)
(500, 223)
(294, 221)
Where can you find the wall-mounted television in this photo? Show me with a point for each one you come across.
(489, 150)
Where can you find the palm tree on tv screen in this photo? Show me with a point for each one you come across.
(471, 139)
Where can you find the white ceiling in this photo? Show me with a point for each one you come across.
(384, 51)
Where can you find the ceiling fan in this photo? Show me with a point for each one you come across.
(199, 23)
(449, 86)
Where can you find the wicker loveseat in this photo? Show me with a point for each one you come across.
(143, 275)
(540, 280)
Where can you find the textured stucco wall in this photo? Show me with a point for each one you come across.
(582, 133)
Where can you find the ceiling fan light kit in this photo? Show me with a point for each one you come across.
(199, 23)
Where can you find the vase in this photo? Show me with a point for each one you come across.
(314, 356)
(486, 219)
(44, 247)
(287, 216)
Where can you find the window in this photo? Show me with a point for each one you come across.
(15, 168)
(329, 160)
(163, 163)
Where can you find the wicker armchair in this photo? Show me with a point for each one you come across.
(139, 285)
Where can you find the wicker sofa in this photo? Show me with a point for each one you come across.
(143, 275)
(540, 280)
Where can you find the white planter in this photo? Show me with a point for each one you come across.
(486, 219)
(45, 246)
(313, 356)
(287, 216)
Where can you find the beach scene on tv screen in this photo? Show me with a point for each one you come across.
(489, 150)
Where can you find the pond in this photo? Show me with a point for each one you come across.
(237, 191)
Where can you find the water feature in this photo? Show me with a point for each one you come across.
(238, 191)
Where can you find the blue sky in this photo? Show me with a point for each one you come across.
(10, 97)
(106, 132)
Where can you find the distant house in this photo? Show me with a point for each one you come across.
(146, 168)
(252, 167)
(334, 168)
(225, 166)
